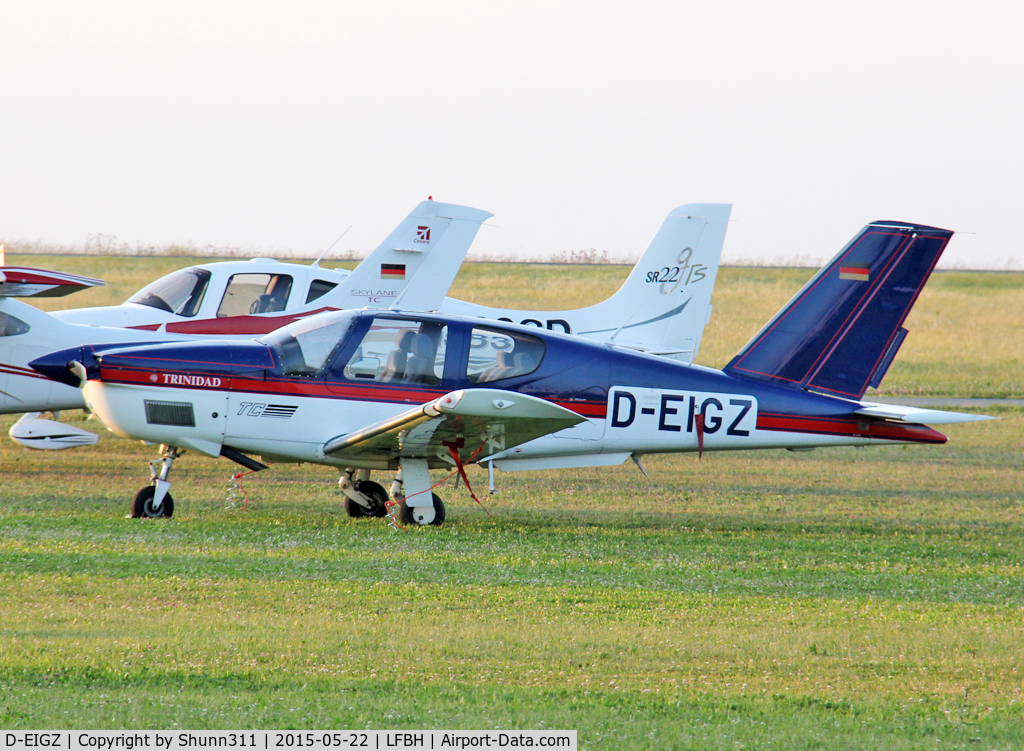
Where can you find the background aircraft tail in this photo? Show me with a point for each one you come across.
(663, 305)
(665, 302)
(416, 264)
(840, 333)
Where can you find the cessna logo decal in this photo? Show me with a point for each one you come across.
(422, 234)
(190, 380)
(675, 411)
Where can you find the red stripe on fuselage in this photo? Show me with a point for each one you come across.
(19, 371)
(237, 325)
(315, 389)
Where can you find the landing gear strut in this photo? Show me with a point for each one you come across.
(362, 497)
(412, 488)
(154, 501)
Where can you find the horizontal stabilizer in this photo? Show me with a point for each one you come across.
(16, 281)
(916, 414)
(840, 333)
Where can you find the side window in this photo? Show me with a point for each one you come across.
(11, 326)
(255, 293)
(319, 288)
(495, 354)
(400, 351)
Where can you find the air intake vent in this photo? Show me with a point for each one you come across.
(170, 413)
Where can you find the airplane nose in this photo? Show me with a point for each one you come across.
(55, 365)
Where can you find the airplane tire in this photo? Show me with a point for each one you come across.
(142, 505)
(439, 513)
(378, 497)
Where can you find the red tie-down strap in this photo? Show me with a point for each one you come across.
(453, 447)
(699, 420)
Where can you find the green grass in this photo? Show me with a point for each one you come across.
(843, 598)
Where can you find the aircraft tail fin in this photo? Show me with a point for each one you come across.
(840, 333)
(665, 302)
(417, 263)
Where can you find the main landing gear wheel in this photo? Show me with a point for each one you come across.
(417, 514)
(142, 505)
(378, 500)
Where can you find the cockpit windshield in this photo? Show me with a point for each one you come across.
(180, 293)
(304, 347)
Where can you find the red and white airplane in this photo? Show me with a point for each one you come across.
(406, 392)
(661, 308)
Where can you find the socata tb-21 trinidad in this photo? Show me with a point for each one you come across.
(337, 389)
(662, 307)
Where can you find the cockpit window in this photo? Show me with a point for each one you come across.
(495, 354)
(11, 326)
(180, 293)
(400, 351)
(305, 347)
(255, 293)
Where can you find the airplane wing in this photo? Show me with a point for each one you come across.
(18, 281)
(477, 422)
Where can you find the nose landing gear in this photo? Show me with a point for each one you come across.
(154, 501)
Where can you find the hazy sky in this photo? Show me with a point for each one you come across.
(579, 125)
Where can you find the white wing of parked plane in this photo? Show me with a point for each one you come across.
(475, 422)
(20, 281)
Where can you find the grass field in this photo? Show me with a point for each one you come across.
(842, 598)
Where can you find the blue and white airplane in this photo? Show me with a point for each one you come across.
(661, 308)
(405, 392)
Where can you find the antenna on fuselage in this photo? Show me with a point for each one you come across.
(316, 263)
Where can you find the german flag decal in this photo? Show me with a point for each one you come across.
(854, 272)
(393, 271)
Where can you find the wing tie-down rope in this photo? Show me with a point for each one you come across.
(453, 447)
(699, 419)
